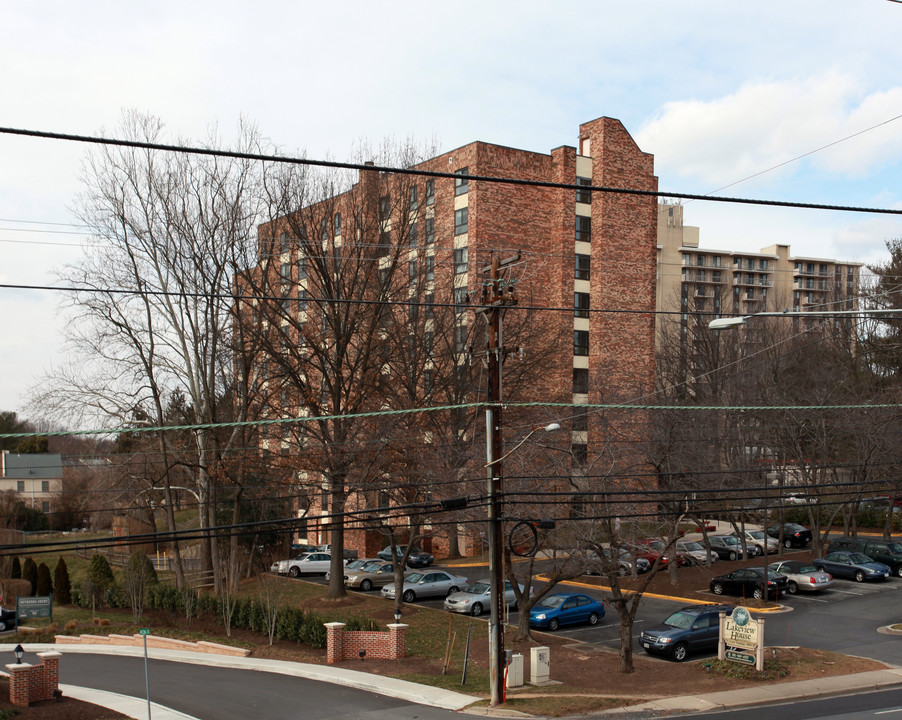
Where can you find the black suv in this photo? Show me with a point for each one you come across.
(417, 558)
(887, 552)
(793, 535)
(696, 627)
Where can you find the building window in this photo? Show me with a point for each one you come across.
(285, 272)
(337, 222)
(412, 272)
(413, 234)
(581, 380)
(763, 264)
(20, 486)
(460, 338)
(45, 486)
(580, 419)
(581, 271)
(809, 267)
(302, 300)
(428, 342)
(823, 269)
(580, 342)
(460, 182)
(430, 306)
(284, 243)
(700, 260)
(461, 220)
(750, 263)
(430, 231)
(428, 381)
(715, 261)
(583, 228)
(430, 268)
(461, 258)
(583, 195)
(384, 207)
(324, 229)
(302, 268)
(413, 197)
(430, 192)
(581, 304)
(715, 275)
(460, 300)
(45, 506)
(384, 243)
(580, 453)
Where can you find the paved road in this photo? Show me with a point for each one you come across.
(879, 705)
(216, 693)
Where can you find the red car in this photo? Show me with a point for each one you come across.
(651, 550)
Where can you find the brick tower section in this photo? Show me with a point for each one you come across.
(624, 251)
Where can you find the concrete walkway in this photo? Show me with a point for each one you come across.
(437, 697)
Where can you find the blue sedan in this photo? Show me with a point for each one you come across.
(853, 565)
(556, 610)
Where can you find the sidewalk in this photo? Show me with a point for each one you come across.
(450, 700)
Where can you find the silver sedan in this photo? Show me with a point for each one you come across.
(426, 584)
(476, 598)
(802, 575)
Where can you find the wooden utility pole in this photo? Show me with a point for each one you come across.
(496, 295)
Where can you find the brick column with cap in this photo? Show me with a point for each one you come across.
(50, 662)
(397, 633)
(19, 684)
(334, 642)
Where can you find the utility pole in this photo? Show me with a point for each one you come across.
(497, 294)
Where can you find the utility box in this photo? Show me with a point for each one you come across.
(539, 665)
(515, 671)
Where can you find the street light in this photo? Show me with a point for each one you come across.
(729, 322)
(496, 571)
(19, 652)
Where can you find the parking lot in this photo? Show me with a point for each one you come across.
(844, 618)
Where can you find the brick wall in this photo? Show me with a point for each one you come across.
(342, 645)
(33, 683)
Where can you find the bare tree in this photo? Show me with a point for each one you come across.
(152, 304)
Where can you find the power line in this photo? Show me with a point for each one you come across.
(142, 145)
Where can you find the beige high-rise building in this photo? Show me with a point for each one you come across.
(693, 280)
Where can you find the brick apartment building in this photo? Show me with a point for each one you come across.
(581, 252)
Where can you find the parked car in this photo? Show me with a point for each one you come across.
(853, 566)
(695, 553)
(417, 559)
(347, 554)
(426, 584)
(794, 535)
(667, 554)
(799, 498)
(564, 609)
(758, 539)
(476, 598)
(7, 618)
(643, 552)
(375, 573)
(748, 582)
(315, 563)
(886, 552)
(355, 565)
(727, 547)
(693, 628)
(802, 575)
(623, 560)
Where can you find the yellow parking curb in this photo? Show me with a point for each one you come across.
(674, 598)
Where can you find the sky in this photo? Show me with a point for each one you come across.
(805, 96)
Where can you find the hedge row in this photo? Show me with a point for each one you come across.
(292, 623)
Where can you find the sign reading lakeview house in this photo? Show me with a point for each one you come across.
(741, 638)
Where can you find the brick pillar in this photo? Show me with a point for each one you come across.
(19, 682)
(397, 638)
(50, 661)
(334, 642)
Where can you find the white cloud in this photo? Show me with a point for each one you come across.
(766, 123)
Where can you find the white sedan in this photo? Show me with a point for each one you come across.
(315, 563)
(477, 597)
(426, 584)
